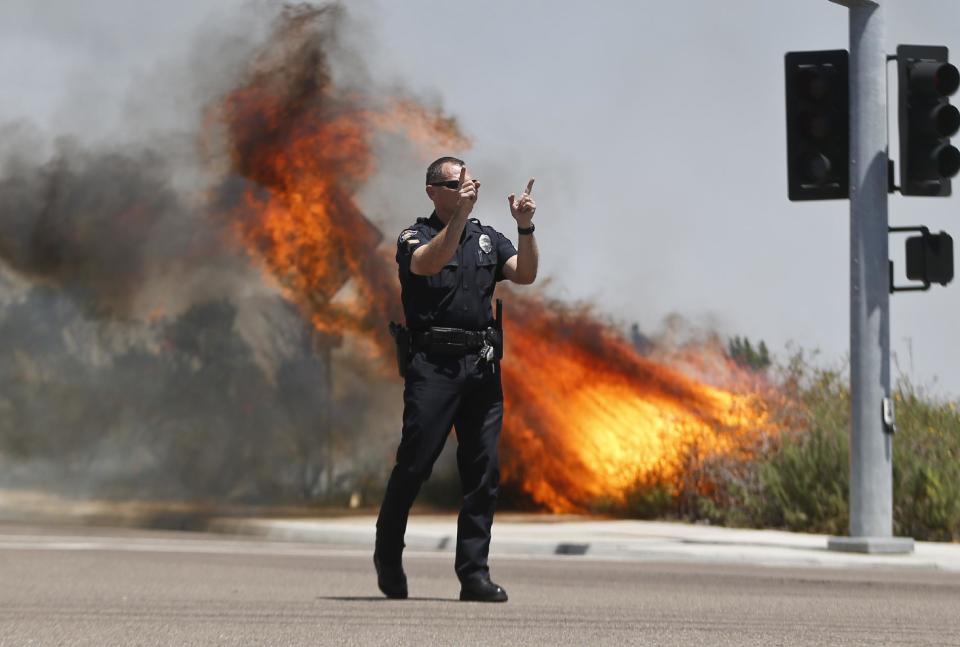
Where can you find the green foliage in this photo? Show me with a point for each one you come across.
(926, 466)
(805, 481)
(743, 353)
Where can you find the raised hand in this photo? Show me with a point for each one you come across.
(468, 190)
(523, 208)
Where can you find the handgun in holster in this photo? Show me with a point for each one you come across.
(494, 333)
(401, 336)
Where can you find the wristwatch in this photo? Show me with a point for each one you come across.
(527, 231)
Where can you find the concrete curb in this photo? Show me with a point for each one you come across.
(514, 535)
(614, 540)
(417, 539)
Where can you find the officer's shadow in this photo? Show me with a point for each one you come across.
(379, 598)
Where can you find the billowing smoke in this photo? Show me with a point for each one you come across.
(150, 343)
(100, 225)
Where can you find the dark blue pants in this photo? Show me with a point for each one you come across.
(443, 392)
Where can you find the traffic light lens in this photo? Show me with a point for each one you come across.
(816, 167)
(813, 84)
(946, 118)
(946, 80)
(948, 161)
(817, 125)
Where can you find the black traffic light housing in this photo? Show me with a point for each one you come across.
(929, 258)
(818, 125)
(927, 120)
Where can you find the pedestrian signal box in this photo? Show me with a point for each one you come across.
(930, 258)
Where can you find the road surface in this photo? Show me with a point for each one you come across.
(83, 586)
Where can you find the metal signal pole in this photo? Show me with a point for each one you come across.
(871, 435)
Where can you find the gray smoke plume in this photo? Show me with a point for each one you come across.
(97, 225)
(142, 351)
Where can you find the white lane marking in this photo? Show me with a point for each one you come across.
(78, 543)
(131, 544)
(171, 548)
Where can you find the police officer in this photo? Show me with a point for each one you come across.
(449, 265)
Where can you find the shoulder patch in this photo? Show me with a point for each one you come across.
(407, 234)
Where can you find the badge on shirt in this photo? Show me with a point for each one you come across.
(485, 244)
(407, 234)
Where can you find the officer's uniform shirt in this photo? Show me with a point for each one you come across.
(459, 295)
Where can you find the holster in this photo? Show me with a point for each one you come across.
(401, 336)
(494, 337)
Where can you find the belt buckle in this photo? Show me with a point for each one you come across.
(448, 340)
(447, 336)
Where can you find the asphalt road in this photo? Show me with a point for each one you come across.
(77, 586)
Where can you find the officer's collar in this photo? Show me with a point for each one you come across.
(435, 222)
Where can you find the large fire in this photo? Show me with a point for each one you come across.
(588, 418)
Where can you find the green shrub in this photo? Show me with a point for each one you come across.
(804, 482)
(926, 466)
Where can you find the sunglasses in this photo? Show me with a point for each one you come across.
(449, 184)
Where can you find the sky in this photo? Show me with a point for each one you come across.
(655, 131)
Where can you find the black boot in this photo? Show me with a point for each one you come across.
(481, 589)
(391, 578)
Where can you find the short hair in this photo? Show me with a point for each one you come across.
(435, 170)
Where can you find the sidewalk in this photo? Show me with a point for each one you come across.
(514, 534)
(534, 535)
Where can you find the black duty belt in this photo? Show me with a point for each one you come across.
(488, 344)
(449, 340)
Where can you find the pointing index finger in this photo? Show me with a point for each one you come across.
(529, 186)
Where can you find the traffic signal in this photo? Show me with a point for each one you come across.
(930, 258)
(818, 125)
(927, 120)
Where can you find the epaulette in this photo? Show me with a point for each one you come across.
(407, 234)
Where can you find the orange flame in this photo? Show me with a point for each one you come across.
(304, 147)
(587, 417)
